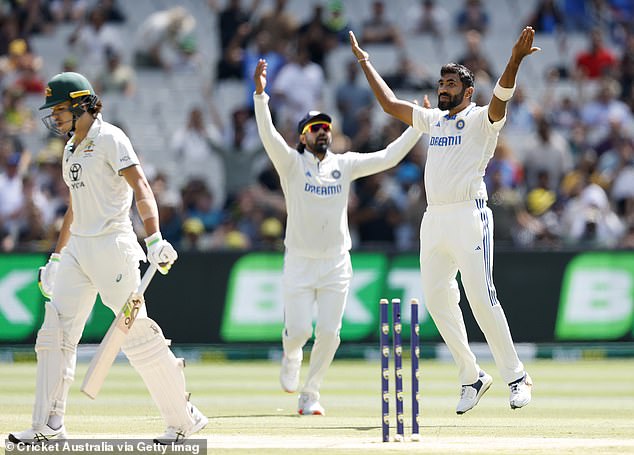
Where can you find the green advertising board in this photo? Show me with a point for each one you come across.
(22, 304)
(597, 297)
(254, 308)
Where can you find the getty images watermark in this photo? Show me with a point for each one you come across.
(109, 446)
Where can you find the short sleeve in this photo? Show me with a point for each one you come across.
(121, 154)
(422, 118)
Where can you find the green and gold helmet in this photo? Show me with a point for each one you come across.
(67, 87)
(72, 87)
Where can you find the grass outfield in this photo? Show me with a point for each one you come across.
(578, 407)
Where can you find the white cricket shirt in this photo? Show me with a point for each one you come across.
(101, 197)
(460, 148)
(316, 192)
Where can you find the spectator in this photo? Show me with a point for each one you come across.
(297, 89)
(262, 47)
(232, 18)
(242, 153)
(547, 18)
(337, 21)
(474, 57)
(409, 76)
(232, 58)
(235, 30)
(204, 209)
(521, 113)
(90, 40)
(597, 114)
(597, 60)
(28, 79)
(11, 202)
(380, 30)
(588, 219)
(112, 11)
(472, 16)
(161, 33)
(281, 26)
(196, 156)
(116, 77)
(316, 37)
(376, 216)
(67, 10)
(507, 171)
(352, 100)
(426, 17)
(547, 150)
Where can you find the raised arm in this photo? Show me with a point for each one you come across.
(505, 87)
(276, 147)
(390, 104)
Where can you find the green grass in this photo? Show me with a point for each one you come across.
(578, 407)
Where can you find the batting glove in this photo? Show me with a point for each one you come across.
(46, 275)
(160, 253)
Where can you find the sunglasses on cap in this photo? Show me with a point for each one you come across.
(315, 127)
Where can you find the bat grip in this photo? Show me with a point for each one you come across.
(147, 277)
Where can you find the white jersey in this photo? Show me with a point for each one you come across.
(316, 192)
(460, 148)
(101, 197)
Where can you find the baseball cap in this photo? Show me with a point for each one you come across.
(311, 117)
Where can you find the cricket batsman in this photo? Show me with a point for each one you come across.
(97, 252)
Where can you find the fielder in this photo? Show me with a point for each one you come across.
(98, 252)
(456, 232)
(317, 269)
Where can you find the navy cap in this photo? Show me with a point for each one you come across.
(311, 117)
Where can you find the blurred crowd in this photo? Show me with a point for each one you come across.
(562, 175)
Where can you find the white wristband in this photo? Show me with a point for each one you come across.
(503, 93)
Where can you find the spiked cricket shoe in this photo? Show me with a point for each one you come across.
(470, 394)
(309, 405)
(521, 392)
(39, 434)
(175, 435)
(289, 374)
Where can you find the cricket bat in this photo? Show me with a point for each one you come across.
(114, 338)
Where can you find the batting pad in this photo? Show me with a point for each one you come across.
(147, 351)
(55, 368)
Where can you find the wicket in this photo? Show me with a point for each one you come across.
(398, 368)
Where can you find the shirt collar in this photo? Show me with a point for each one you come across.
(95, 127)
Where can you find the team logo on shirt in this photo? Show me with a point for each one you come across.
(74, 173)
(90, 147)
(460, 124)
(336, 174)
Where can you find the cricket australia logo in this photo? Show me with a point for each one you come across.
(75, 175)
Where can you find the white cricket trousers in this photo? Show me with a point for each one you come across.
(314, 284)
(459, 237)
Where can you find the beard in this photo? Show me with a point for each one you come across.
(453, 101)
(320, 145)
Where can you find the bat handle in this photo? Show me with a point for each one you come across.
(147, 277)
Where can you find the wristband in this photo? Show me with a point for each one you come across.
(153, 239)
(503, 93)
(364, 59)
(55, 257)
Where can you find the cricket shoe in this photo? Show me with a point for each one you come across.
(309, 406)
(39, 434)
(471, 394)
(289, 374)
(175, 435)
(521, 391)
